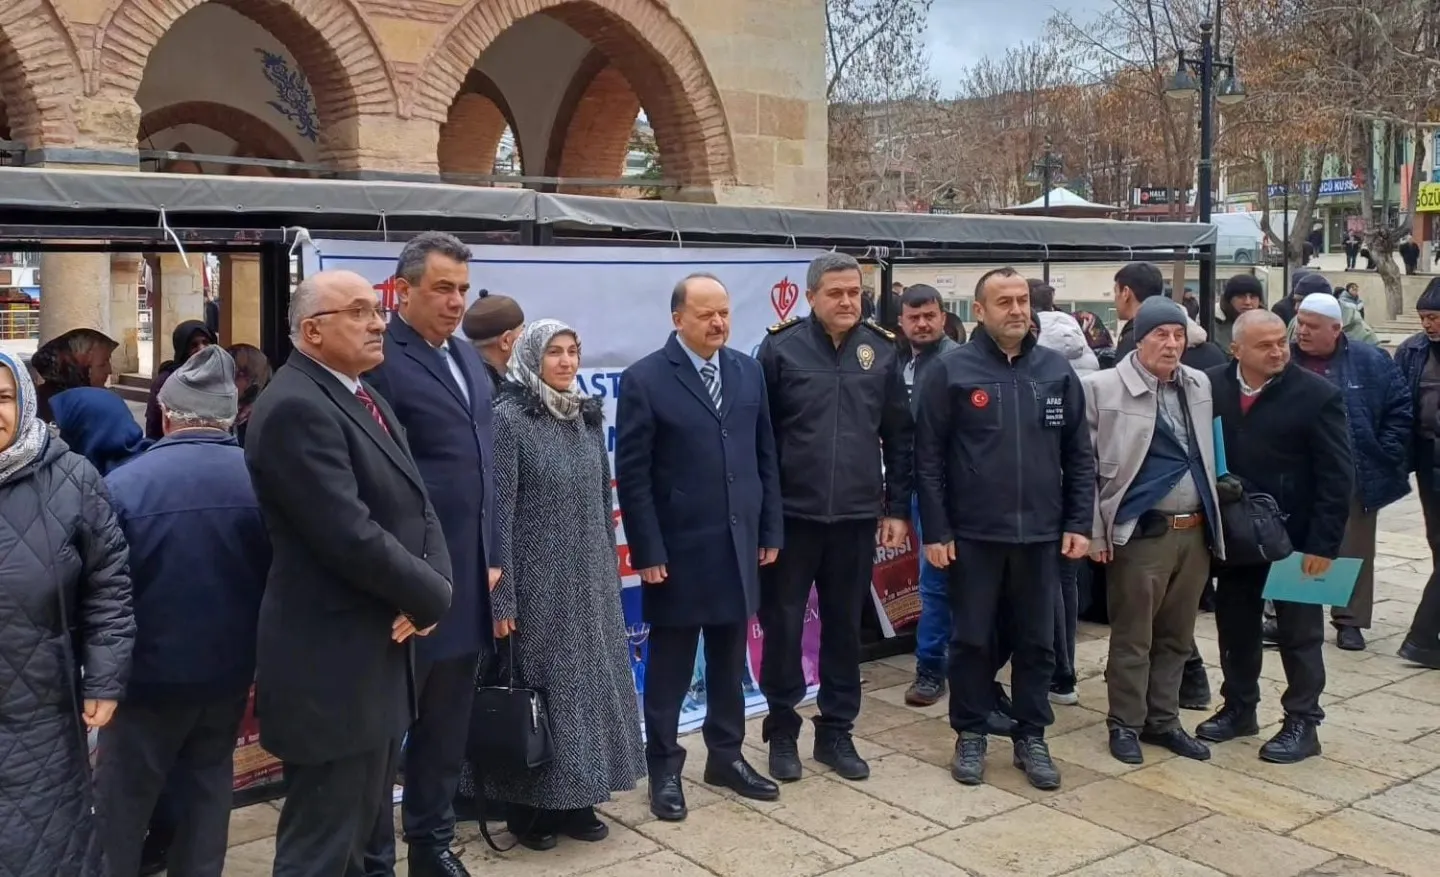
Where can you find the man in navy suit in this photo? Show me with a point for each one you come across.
(438, 388)
(699, 488)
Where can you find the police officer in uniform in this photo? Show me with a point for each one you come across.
(839, 405)
(1007, 485)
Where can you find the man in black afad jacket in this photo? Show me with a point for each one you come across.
(1007, 485)
(838, 405)
(1285, 435)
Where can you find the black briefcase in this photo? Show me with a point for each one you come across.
(509, 725)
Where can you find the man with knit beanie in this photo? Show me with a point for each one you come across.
(1242, 293)
(1157, 520)
(1418, 359)
(199, 555)
(1377, 402)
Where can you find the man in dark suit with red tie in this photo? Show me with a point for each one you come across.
(440, 391)
(359, 567)
(699, 489)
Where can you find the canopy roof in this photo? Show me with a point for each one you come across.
(1063, 201)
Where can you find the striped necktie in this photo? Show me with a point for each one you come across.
(712, 382)
(369, 402)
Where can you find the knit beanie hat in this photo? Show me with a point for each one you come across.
(1243, 284)
(1308, 282)
(1157, 311)
(1430, 299)
(203, 386)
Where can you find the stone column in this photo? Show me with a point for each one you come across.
(74, 293)
(125, 276)
(240, 299)
(182, 297)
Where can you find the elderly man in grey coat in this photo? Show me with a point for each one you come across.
(1156, 522)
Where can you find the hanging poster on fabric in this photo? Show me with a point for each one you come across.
(618, 301)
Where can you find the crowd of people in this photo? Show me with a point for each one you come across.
(396, 522)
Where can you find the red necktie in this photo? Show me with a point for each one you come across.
(369, 402)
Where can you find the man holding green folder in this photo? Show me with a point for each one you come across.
(1285, 435)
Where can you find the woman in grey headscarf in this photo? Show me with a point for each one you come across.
(559, 592)
(66, 630)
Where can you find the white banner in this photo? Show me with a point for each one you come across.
(618, 300)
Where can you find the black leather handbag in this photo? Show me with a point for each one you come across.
(1253, 524)
(509, 725)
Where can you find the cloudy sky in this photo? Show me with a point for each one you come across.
(962, 31)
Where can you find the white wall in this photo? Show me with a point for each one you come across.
(212, 54)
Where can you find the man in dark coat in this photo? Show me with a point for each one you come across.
(1286, 436)
(493, 324)
(699, 487)
(438, 388)
(360, 566)
(198, 561)
(1418, 358)
(839, 407)
(1377, 407)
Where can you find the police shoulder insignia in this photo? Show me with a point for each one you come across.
(785, 324)
(881, 330)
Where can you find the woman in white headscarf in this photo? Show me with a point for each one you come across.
(66, 630)
(559, 592)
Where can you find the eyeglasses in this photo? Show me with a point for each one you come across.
(357, 313)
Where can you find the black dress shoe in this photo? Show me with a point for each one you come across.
(584, 825)
(837, 751)
(1350, 639)
(667, 798)
(1178, 742)
(1125, 746)
(425, 862)
(1415, 653)
(1296, 742)
(785, 759)
(742, 779)
(1227, 724)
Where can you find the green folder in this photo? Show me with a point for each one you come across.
(1287, 583)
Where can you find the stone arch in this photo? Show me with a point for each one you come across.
(253, 137)
(331, 40)
(642, 39)
(40, 73)
(474, 126)
(592, 131)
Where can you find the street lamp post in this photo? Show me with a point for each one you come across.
(1227, 91)
(1046, 168)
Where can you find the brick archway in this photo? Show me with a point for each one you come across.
(645, 43)
(40, 73)
(592, 130)
(331, 40)
(474, 127)
(253, 137)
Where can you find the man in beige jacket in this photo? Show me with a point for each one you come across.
(1156, 521)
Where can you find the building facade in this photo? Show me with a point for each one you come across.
(734, 93)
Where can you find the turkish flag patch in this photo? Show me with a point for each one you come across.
(979, 398)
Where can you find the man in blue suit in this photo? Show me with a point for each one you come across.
(438, 388)
(699, 489)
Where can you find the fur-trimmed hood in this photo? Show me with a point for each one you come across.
(592, 410)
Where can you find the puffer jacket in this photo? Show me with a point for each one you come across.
(65, 602)
(1060, 333)
(1410, 358)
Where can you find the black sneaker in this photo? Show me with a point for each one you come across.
(1350, 639)
(1033, 757)
(1125, 746)
(968, 766)
(785, 759)
(838, 752)
(925, 691)
(1227, 724)
(1063, 693)
(1296, 742)
(1178, 742)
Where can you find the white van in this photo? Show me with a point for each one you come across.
(1238, 238)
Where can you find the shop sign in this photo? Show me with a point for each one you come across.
(1428, 200)
(1150, 195)
(1330, 187)
(945, 283)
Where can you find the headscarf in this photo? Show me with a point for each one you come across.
(98, 425)
(30, 431)
(525, 368)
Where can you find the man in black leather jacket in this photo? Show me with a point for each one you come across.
(838, 405)
(1007, 485)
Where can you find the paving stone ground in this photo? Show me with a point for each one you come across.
(1370, 807)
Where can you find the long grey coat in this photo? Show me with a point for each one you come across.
(561, 584)
(59, 541)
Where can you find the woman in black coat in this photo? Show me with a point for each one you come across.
(64, 611)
